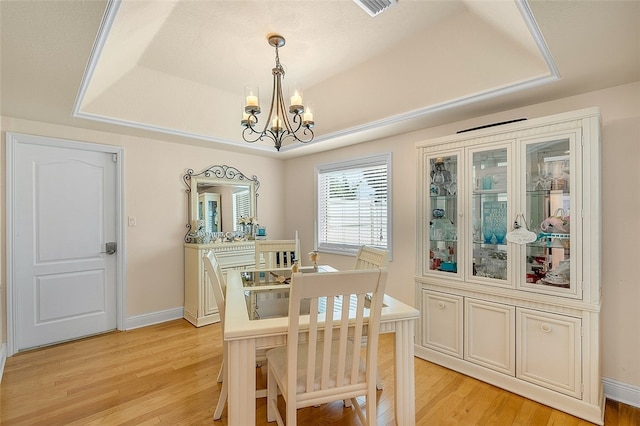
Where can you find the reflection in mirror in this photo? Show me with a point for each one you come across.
(219, 196)
(209, 210)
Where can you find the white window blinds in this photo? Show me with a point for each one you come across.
(354, 204)
(241, 206)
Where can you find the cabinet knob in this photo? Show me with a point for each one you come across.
(441, 305)
(545, 328)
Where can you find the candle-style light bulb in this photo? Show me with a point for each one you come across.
(276, 124)
(252, 100)
(308, 116)
(296, 99)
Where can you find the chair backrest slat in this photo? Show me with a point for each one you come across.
(344, 323)
(357, 337)
(327, 340)
(216, 281)
(344, 338)
(312, 339)
(276, 253)
(371, 258)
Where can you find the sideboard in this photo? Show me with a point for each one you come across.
(200, 306)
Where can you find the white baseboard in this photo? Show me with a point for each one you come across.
(153, 318)
(3, 358)
(621, 392)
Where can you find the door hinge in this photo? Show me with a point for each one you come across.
(115, 158)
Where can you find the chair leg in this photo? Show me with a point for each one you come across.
(221, 372)
(272, 395)
(378, 382)
(222, 399)
(292, 413)
(372, 416)
(358, 410)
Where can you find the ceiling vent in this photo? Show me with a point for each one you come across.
(375, 7)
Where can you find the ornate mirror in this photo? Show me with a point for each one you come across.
(219, 196)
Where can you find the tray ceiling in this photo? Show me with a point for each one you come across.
(178, 68)
(181, 67)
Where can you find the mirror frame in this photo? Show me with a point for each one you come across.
(221, 175)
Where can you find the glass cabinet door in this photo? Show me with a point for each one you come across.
(548, 184)
(441, 214)
(209, 211)
(490, 198)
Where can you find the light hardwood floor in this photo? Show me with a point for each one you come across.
(166, 374)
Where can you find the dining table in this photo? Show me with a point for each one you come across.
(257, 318)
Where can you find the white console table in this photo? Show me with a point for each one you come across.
(200, 306)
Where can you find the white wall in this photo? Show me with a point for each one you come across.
(155, 195)
(620, 109)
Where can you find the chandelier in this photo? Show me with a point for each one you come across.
(277, 127)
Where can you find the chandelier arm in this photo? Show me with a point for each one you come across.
(282, 111)
(250, 126)
(306, 131)
(273, 102)
(297, 138)
(296, 119)
(251, 122)
(267, 134)
(248, 131)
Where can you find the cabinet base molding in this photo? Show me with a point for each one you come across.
(200, 321)
(592, 412)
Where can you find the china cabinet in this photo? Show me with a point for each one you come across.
(209, 210)
(508, 258)
(200, 306)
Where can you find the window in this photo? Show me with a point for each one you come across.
(354, 204)
(241, 206)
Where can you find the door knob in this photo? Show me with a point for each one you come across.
(110, 247)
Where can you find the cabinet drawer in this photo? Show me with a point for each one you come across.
(489, 337)
(548, 350)
(442, 322)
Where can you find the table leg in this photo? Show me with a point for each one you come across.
(241, 378)
(405, 395)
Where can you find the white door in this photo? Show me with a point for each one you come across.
(63, 214)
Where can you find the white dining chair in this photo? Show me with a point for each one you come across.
(276, 253)
(217, 284)
(325, 365)
(371, 257)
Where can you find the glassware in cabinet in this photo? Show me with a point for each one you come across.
(490, 199)
(548, 182)
(441, 182)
